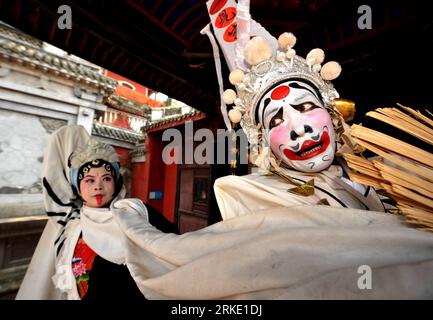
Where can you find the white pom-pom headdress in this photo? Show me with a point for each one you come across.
(258, 61)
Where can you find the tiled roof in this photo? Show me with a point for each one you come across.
(121, 103)
(162, 122)
(136, 96)
(19, 36)
(28, 54)
(172, 111)
(107, 131)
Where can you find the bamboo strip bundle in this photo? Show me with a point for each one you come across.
(413, 196)
(392, 144)
(392, 117)
(423, 172)
(418, 114)
(410, 182)
(407, 119)
(372, 173)
(406, 179)
(363, 179)
(362, 169)
(420, 225)
(388, 189)
(400, 199)
(399, 194)
(406, 202)
(415, 215)
(415, 212)
(413, 122)
(397, 181)
(362, 162)
(384, 172)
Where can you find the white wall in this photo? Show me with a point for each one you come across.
(22, 141)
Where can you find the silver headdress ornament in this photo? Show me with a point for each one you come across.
(258, 61)
(90, 155)
(93, 150)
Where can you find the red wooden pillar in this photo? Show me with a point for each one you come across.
(123, 154)
(140, 175)
(170, 189)
(153, 176)
(139, 183)
(156, 172)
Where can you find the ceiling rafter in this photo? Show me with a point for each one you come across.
(173, 8)
(156, 7)
(157, 22)
(187, 14)
(195, 22)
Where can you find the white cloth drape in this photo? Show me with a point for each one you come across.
(302, 252)
(278, 251)
(102, 234)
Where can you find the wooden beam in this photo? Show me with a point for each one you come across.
(158, 23)
(187, 14)
(174, 6)
(95, 49)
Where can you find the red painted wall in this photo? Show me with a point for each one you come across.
(139, 94)
(154, 175)
(170, 184)
(139, 181)
(123, 155)
(138, 87)
(156, 171)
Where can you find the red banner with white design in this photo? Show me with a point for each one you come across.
(228, 17)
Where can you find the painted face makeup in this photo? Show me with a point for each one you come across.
(298, 128)
(97, 188)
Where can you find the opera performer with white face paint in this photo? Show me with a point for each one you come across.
(286, 106)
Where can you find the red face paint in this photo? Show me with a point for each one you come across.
(99, 199)
(280, 93)
(321, 145)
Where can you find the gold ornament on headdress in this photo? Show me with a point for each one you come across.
(346, 108)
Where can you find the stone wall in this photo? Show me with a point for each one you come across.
(22, 141)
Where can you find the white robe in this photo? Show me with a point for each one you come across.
(268, 247)
(37, 283)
